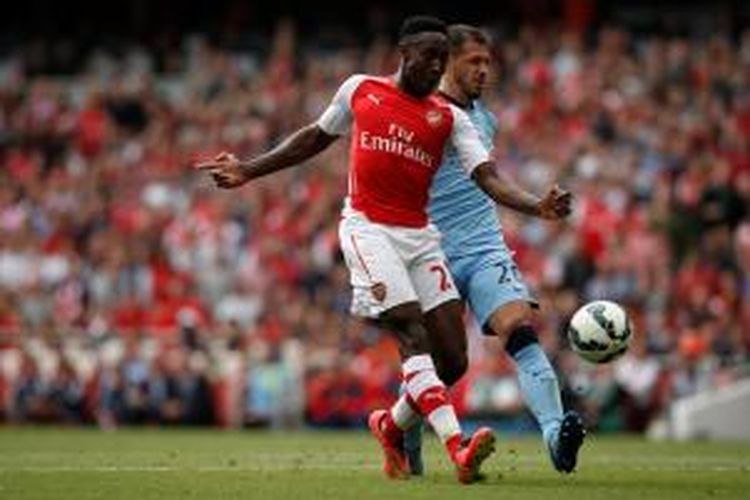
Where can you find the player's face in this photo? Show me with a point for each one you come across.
(470, 68)
(424, 61)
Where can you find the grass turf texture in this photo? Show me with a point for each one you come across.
(48, 463)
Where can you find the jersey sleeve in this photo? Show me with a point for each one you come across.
(466, 140)
(337, 117)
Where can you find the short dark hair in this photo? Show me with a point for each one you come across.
(459, 34)
(421, 24)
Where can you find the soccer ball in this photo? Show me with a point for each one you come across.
(600, 331)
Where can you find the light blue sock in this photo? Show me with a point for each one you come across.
(539, 386)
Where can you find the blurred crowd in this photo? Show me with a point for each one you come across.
(132, 291)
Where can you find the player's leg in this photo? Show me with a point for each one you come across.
(502, 305)
(563, 434)
(388, 426)
(448, 347)
(447, 339)
(383, 288)
(438, 294)
(512, 323)
(447, 342)
(425, 392)
(380, 283)
(426, 395)
(439, 299)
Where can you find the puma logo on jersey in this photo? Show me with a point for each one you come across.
(377, 100)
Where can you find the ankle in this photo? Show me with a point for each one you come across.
(453, 444)
(550, 433)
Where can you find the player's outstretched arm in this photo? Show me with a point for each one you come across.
(229, 172)
(556, 204)
(475, 158)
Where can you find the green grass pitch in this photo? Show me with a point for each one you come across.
(50, 463)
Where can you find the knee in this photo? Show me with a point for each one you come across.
(407, 322)
(450, 371)
(504, 323)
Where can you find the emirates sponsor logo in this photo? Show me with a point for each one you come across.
(399, 141)
(372, 142)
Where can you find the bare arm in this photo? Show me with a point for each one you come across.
(295, 149)
(228, 172)
(475, 159)
(499, 187)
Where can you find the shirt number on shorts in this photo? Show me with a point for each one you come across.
(445, 284)
(508, 272)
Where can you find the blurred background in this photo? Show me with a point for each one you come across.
(133, 292)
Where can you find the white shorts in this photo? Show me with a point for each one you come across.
(393, 265)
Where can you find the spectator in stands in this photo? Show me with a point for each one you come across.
(104, 235)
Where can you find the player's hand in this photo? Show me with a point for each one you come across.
(556, 204)
(225, 170)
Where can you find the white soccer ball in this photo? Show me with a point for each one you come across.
(600, 331)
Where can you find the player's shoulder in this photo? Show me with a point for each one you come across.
(457, 113)
(481, 111)
(356, 86)
(361, 84)
(440, 100)
(359, 79)
(460, 113)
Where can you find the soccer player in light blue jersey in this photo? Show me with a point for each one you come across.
(486, 276)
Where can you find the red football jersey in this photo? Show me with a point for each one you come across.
(397, 146)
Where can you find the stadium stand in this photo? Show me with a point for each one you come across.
(132, 292)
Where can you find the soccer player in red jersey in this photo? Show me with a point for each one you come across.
(399, 131)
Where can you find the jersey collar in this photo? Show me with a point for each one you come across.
(453, 101)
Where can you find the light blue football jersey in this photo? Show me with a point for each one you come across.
(464, 214)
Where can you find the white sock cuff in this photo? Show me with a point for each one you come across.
(403, 414)
(445, 423)
(421, 382)
(417, 363)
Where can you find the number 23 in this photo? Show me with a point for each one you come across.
(508, 272)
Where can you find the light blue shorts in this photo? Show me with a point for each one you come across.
(487, 282)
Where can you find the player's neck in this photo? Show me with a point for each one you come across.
(403, 85)
(453, 93)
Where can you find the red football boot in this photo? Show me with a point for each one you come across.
(390, 439)
(470, 455)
